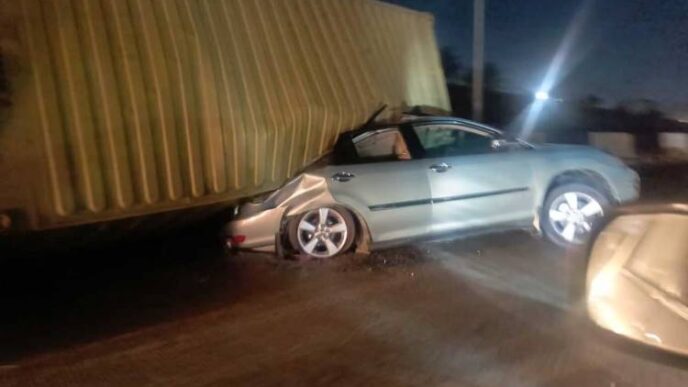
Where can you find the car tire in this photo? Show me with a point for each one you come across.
(314, 237)
(566, 226)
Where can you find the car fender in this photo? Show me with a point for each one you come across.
(364, 238)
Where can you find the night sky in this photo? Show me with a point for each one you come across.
(626, 49)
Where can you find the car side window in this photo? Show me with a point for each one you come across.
(440, 140)
(381, 145)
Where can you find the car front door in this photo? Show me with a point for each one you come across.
(386, 185)
(472, 184)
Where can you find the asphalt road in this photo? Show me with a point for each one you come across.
(496, 310)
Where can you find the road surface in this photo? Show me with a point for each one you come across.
(496, 310)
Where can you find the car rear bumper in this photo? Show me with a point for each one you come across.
(256, 232)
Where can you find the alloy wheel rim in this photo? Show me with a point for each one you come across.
(322, 233)
(573, 214)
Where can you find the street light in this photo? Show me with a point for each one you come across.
(478, 58)
(541, 95)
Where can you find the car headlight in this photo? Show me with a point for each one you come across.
(636, 180)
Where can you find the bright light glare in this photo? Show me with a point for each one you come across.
(560, 62)
(542, 95)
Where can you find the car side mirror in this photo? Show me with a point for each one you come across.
(501, 144)
(637, 277)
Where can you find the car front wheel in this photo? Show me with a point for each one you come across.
(570, 213)
(323, 232)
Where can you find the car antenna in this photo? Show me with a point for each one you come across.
(374, 116)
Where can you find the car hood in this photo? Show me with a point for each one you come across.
(564, 148)
(633, 290)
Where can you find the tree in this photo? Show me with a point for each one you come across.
(492, 77)
(644, 119)
(590, 101)
(451, 64)
(641, 107)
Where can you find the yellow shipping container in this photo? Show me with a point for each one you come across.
(117, 108)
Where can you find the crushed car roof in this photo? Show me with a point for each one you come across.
(414, 119)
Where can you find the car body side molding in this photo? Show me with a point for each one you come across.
(389, 206)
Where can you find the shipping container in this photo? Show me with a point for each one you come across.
(113, 109)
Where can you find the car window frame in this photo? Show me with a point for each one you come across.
(493, 135)
(356, 159)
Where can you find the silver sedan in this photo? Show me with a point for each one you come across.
(433, 176)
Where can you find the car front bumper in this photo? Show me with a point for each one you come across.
(627, 186)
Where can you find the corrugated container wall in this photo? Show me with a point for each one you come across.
(117, 108)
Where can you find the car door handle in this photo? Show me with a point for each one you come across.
(441, 167)
(343, 176)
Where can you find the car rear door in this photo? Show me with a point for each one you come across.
(472, 184)
(385, 185)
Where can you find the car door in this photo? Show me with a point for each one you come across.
(385, 184)
(472, 184)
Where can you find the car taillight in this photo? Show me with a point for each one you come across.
(237, 239)
(234, 241)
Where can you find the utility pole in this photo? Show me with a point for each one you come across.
(478, 58)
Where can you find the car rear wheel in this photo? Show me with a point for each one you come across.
(570, 213)
(323, 232)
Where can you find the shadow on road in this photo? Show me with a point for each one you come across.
(62, 299)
